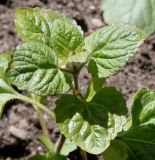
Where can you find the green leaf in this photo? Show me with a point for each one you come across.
(135, 12)
(116, 151)
(94, 85)
(112, 99)
(6, 94)
(140, 151)
(143, 118)
(5, 58)
(46, 142)
(67, 148)
(34, 67)
(90, 125)
(128, 124)
(50, 28)
(111, 47)
(124, 150)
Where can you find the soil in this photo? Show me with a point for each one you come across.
(19, 127)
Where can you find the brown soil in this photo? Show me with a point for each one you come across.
(19, 117)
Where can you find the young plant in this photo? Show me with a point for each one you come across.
(49, 62)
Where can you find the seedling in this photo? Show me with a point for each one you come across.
(48, 63)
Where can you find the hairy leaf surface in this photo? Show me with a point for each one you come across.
(135, 12)
(34, 68)
(90, 125)
(111, 47)
(50, 28)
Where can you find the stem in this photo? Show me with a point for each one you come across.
(59, 144)
(76, 84)
(42, 121)
(76, 90)
(83, 154)
(66, 70)
(35, 103)
(40, 115)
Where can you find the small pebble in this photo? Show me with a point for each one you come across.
(18, 133)
(39, 149)
(92, 8)
(97, 22)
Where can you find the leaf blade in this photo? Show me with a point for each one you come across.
(116, 151)
(111, 47)
(87, 124)
(94, 85)
(4, 62)
(34, 67)
(125, 150)
(67, 148)
(134, 12)
(103, 97)
(143, 118)
(6, 94)
(50, 28)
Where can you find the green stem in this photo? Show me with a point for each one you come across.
(59, 144)
(40, 115)
(66, 70)
(76, 90)
(76, 84)
(83, 154)
(42, 121)
(35, 103)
